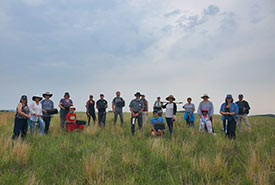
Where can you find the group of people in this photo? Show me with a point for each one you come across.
(39, 112)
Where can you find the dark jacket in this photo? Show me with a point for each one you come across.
(241, 105)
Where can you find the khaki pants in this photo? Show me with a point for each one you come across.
(243, 118)
(144, 118)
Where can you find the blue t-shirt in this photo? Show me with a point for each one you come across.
(158, 120)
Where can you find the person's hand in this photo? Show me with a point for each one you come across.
(36, 115)
(43, 110)
(174, 118)
(28, 116)
(147, 113)
(190, 114)
(244, 109)
(63, 108)
(134, 115)
(113, 110)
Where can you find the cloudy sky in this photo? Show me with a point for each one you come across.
(179, 47)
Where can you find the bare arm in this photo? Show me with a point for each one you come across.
(19, 109)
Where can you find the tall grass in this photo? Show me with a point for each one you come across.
(113, 156)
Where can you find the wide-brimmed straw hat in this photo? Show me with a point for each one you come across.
(205, 95)
(36, 96)
(171, 96)
(47, 94)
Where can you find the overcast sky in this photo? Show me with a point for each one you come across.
(179, 47)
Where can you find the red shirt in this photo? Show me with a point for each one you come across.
(71, 117)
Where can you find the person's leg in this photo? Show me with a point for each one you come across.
(24, 129)
(115, 117)
(89, 119)
(233, 129)
(192, 124)
(209, 127)
(246, 122)
(121, 119)
(140, 121)
(94, 117)
(99, 118)
(170, 124)
(32, 126)
(62, 121)
(143, 118)
(41, 126)
(229, 129)
(133, 125)
(104, 119)
(47, 120)
(239, 122)
(16, 129)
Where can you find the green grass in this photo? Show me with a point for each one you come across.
(113, 156)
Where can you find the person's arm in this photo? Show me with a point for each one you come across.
(164, 106)
(19, 110)
(199, 110)
(147, 107)
(87, 107)
(106, 106)
(235, 111)
(222, 110)
(174, 108)
(97, 105)
(113, 105)
(141, 110)
(247, 106)
(211, 110)
(60, 105)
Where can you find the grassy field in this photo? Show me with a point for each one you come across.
(113, 156)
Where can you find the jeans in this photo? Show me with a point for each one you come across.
(89, 118)
(231, 128)
(20, 126)
(101, 119)
(47, 120)
(40, 126)
(120, 113)
(170, 124)
(133, 123)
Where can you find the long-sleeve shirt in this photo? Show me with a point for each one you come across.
(171, 109)
(232, 108)
(35, 109)
(208, 106)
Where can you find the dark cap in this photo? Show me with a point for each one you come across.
(240, 96)
(24, 97)
(101, 94)
(67, 94)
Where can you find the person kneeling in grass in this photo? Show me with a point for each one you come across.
(71, 121)
(206, 123)
(157, 125)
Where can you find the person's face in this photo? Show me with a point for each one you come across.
(229, 100)
(24, 101)
(205, 98)
(155, 114)
(143, 97)
(137, 97)
(47, 97)
(118, 94)
(91, 97)
(240, 98)
(158, 99)
(170, 100)
(36, 100)
(72, 110)
(189, 100)
(204, 113)
(101, 97)
(66, 96)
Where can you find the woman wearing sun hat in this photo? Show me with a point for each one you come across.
(47, 105)
(36, 115)
(64, 105)
(171, 111)
(21, 118)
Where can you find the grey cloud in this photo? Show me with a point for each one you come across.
(211, 10)
(174, 12)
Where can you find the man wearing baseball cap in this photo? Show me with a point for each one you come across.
(243, 112)
(101, 106)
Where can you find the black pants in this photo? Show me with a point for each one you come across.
(89, 117)
(133, 123)
(20, 126)
(170, 124)
(190, 123)
(47, 121)
(231, 128)
(101, 119)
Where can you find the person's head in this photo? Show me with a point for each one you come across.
(158, 98)
(137, 95)
(155, 114)
(118, 94)
(204, 112)
(37, 99)
(229, 99)
(143, 96)
(67, 95)
(101, 96)
(189, 100)
(24, 99)
(72, 109)
(240, 97)
(170, 98)
(205, 97)
(47, 95)
(91, 97)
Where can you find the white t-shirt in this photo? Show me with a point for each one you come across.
(169, 110)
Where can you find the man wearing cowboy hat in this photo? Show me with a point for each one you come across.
(171, 111)
(206, 104)
(47, 104)
(36, 115)
(136, 108)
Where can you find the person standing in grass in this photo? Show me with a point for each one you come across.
(36, 115)
(90, 110)
(47, 104)
(145, 110)
(189, 115)
(21, 118)
(101, 106)
(64, 105)
(243, 112)
(117, 106)
(229, 111)
(170, 113)
(136, 109)
(158, 106)
(157, 125)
